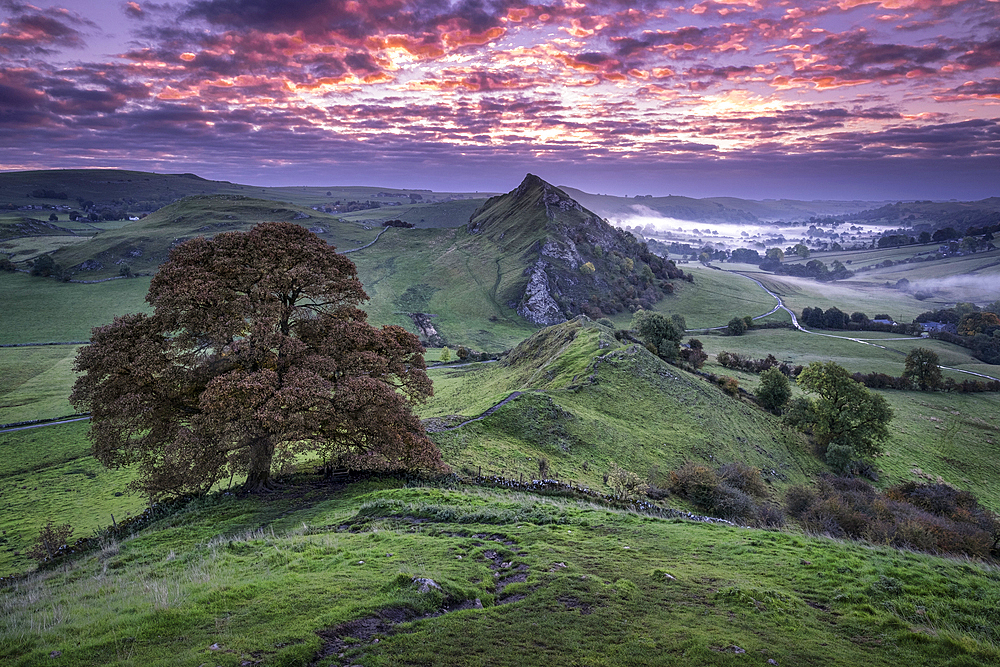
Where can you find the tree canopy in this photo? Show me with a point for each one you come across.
(659, 331)
(256, 351)
(921, 369)
(774, 390)
(844, 416)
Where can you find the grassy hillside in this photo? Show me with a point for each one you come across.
(716, 209)
(326, 576)
(145, 244)
(591, 400)
(138, 189)
(43, 310)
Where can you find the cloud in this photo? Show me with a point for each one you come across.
(34, 31)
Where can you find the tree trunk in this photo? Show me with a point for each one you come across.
(259, 473)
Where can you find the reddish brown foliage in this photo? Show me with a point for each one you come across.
(256, 351)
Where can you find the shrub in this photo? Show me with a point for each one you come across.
(708, 489)
(730, 503)
(50, 539)
(769, 516)
(745, 478)
(6, 265)
(798, 500)
(929, 517)
(625, 484)
(730, 385)
(694, 482)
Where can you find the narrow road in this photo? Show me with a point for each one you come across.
(55, 423)
(864, 341)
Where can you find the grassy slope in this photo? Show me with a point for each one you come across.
(201, 586)
(41, 310)
(715, 208)
(145, 244)
(448, 273)
(35, 382)
(49, 475)
(592, 401)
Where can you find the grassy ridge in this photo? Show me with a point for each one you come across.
(145, 244)
(593, 401)
(560, 583)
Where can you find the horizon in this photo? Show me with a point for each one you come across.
(817, 100)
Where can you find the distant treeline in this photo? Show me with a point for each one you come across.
(739, 362)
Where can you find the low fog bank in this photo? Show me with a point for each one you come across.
(648, 223)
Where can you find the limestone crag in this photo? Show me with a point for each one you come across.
(537, 305)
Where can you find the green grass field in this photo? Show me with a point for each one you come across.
(49, 475)
(35, 382)
(43, 310)
(560, 582)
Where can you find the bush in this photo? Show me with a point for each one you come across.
(745, 478)
(730, 503)
(769, 516)
(50, 539)
(626, 484)
(726, 496)
(730, 385)
(929, 517)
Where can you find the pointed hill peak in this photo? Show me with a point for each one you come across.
(570, 261)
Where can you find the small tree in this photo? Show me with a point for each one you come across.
(736, 327)
(659, 331)
(921, 368)
(255, 351)
(844, 413)
(693, 353)
(774, 390)
(445, 355)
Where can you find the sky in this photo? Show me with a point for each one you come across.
(802, 99)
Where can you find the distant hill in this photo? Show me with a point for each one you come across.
(717, 209)
(575, 262)
(145, 244)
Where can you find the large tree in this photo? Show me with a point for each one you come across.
(256, 351)
(844, 415)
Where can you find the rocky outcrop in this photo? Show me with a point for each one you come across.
(537, 305)
(427, 331)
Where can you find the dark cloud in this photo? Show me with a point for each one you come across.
(30, 30)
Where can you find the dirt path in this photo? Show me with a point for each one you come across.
(487, 413)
